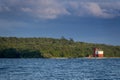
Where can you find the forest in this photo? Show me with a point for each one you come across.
(13, 47)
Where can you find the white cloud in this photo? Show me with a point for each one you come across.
(95, 10)
(48, 9)
(51, 9)
(92, 9)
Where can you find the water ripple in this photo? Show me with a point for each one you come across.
(59, 69)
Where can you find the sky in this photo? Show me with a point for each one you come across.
(91, 21)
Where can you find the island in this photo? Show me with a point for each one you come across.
(14, 47)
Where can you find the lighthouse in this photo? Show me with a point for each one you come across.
(98, 52)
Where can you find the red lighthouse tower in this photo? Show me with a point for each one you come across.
(95, 52)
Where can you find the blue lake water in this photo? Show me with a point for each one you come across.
(60, 69)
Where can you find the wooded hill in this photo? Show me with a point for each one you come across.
(12, 47)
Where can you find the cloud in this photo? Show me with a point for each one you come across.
(48, 9)
(52, 9)
(95, 9)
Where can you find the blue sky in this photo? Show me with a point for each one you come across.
(92, 21)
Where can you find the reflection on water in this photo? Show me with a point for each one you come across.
(60, 69)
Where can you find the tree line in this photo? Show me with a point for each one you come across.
(13, 47)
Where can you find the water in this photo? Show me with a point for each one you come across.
(60, 69)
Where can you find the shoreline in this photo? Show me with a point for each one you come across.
(69, 58)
